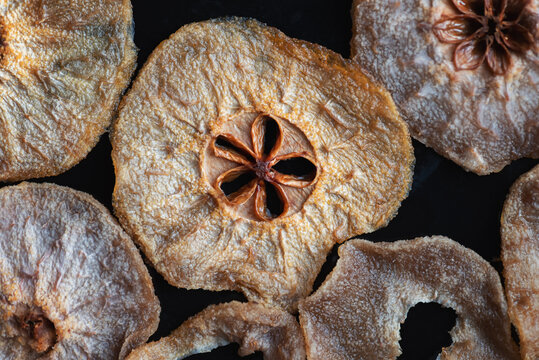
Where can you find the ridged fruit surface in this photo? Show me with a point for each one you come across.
(63, 67)
(520, 256)
(464, 74)
(72, 283)
(255, 327)
(358, 310)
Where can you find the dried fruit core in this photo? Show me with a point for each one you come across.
(38, 331)
(487, 31)
(262, 166)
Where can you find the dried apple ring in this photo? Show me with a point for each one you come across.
(520, 256)
(254, 326)
(242, 156)
(72, 283)
(462, 73)
(63, 66)
(357, 312)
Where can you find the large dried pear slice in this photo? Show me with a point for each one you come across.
(255, 327)
(520, 256)
(63, 67)
(72, 283)
(464, 74)
(242, 156)
(357, 312)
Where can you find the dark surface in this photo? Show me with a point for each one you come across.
(444, 200)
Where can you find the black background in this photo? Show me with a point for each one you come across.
(444, 200)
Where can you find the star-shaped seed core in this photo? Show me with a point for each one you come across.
(262, 171)
(487, 29)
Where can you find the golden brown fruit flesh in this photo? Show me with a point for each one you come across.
(520, 256)
(72, 283)
(255, 327)
(242, 156)
(464, 74)
(357, 312)
(63, 67)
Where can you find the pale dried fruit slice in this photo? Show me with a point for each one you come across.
(357, 312)
(463, 74)
(63, 67)
(520, 256)
(72, 283)
(242, 156)
(255, 327)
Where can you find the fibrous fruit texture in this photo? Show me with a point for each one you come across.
(63, 67)
(464, 74)
(255, 327)
(72, 283)
(242, 156)
(520, 255)
(357, 312)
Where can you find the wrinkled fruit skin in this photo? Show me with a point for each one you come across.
(255, 327)
(357, 311)
(216, 77)
(72, 283)
(520, 256)
(63, 66)
(480, 120)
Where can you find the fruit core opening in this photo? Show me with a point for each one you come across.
(37, 330)
(261, 165)
(426, 331)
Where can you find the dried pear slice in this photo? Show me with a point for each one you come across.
(72, 283)
(242, 155)
(520, 256)
(63, 67)
(357, 312)
(463, 75)
(254, 326)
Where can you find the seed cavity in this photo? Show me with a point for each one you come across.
(262, 171)
(299, 167)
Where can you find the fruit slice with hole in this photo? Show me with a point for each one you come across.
(356, 313)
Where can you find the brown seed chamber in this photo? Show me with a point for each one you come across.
(292, 145)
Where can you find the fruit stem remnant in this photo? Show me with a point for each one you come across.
(39, 330)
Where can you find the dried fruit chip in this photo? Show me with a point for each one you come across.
(242, 156)
(63, 67)
(462, 73)
(254, 326)
(72, 283)
(520, 255)
(357, 312)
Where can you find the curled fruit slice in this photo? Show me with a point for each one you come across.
(357, 312)
(72, 283)
(254, 326)
(462, 73)
(63, 67)
(520, 256)
(242, 156)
